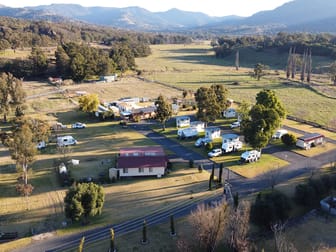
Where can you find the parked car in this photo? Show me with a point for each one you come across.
(215, 153)
(279, 133)
(235, 125)
(202, 141)
(58, 126)
(78, 125)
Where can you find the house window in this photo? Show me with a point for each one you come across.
(150, 169)
(141, 170)
(125, 170)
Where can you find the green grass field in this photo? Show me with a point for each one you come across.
(192, 66)
(182, 66)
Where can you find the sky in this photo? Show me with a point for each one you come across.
(211, 7)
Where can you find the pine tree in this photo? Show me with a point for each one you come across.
(237, 60)
(303, 65)
(220, 173)
(112, 243)
(172, 226)
(144, 232)
(289, 63)
(293, 63)
(309, 66)
(81, 244)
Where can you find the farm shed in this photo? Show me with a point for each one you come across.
(142, 161)
(310, 140)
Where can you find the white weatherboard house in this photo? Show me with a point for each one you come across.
(229, 113)
(310, 140)
(212, 132)
(198, 125)
(142, 161)
(182, 121)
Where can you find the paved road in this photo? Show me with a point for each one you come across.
(298, 165)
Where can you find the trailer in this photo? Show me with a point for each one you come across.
(182, 121)
(66, 141)
(310, 140)
(250, 156)
(187, 133)
(231, 143)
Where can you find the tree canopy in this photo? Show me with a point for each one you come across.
(211, 102)
(84, 200)
(163, 110)
(23, 148)
(89, 103)
(264, 118)
(11, 93)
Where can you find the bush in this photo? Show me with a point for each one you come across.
(209, 146)
(305, 195)
(270, 207)
(289, 139)
(311, 193)
(191, 163)
(169, 165)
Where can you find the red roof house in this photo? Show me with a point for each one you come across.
(142, 161)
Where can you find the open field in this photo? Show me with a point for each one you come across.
(188, 66)
(100, 141)
(192, 66)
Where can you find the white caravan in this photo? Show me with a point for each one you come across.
(66, 140)
(187, 133)
(231, 143)
(250, 156)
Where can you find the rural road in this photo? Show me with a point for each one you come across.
(298, 165)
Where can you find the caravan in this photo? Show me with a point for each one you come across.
(65, 141)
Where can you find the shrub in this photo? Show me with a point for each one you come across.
(270, 207)
(318, 186)
(191, 163)
(209, 146)
(288, 139)
(169, 165)
(305, 195)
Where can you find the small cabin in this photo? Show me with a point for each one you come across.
(182, 121)
(212, 132)
(310, 140)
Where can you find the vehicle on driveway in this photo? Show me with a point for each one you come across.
(78, 125)
(202, 141)
(215, 153)
(235, 125)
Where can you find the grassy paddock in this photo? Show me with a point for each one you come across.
(194, 65)
(250, 170)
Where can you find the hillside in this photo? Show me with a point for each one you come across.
(297, 15)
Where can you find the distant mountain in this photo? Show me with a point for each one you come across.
(295, 12)
(297, 15)
(129, 18)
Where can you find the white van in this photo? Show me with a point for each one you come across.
(279, 133)
(65, 141)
